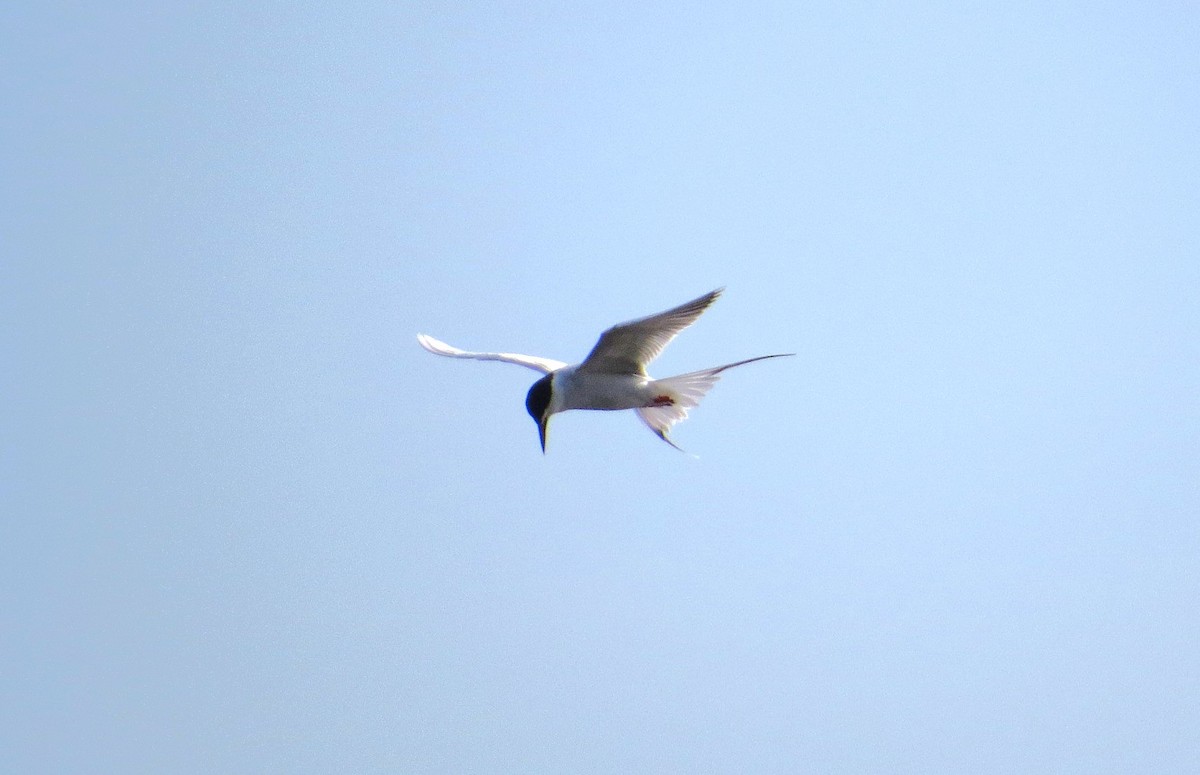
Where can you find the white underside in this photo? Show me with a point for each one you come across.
(660, 403)
(573, 390)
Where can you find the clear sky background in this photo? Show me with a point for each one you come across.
(249, 526)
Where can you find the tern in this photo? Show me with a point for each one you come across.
(613, 375)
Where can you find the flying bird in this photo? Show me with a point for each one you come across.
(613, 375)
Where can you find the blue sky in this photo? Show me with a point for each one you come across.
(249, 526)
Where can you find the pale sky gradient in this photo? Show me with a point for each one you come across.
(248, 526)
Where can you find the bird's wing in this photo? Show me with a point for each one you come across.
(628, 347)
(544, 365)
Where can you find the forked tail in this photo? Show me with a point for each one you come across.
(683, 393)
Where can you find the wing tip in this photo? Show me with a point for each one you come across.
(436, 346)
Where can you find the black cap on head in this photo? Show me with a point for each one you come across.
(538, 398)
(537, 401)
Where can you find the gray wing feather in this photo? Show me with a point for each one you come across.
(627, 348)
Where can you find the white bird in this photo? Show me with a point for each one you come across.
(613, 375)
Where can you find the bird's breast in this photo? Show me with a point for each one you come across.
(606, 391)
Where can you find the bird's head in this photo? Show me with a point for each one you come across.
(537, 403)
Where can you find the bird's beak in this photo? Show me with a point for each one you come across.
(542, 432)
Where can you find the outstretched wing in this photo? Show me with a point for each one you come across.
(628, 347)
(437, 347)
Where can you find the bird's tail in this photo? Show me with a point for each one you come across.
(682, 393)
